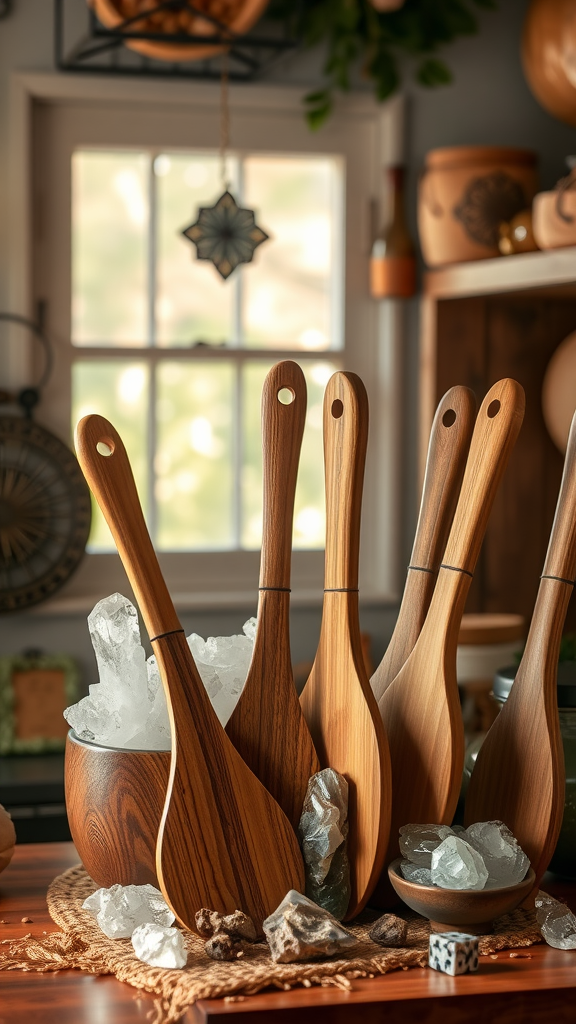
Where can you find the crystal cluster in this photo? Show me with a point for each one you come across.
(323, 832)
(301, 930)
(127, 707)
(557, 922)
(484, 856)
(140, 913)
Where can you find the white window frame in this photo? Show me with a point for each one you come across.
(229, 579)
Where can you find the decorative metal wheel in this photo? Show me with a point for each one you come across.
(45, 513)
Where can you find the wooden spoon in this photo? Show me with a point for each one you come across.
(519, 774)
(223, 842)
(447, 451)
(421, 707)
(337, 701)
(267, 726)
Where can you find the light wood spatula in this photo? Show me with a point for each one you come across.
(421, 707)
(267, 726)
(337, 701)
(447, 450)
(224, 842)
(519, 774)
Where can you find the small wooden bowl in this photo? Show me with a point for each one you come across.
(115, 800)
(459, 910)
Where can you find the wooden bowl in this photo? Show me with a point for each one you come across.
(459, 910)
(114, 800)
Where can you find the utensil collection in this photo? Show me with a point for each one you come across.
(227, 836)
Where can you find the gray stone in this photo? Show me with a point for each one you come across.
(323, 832)
(557, 922)
(120, 909)
(506, 862)
(457, 865)
(389, 930)
(300, 930)
(414, 873)
(417, 842)
(158, 946)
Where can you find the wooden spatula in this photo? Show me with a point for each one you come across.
(224, 842)
(267, 726)
(337, 701)
(519, 774)
(421, 707)
(447, 451)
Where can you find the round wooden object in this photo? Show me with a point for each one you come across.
(237, 15)
(549, 56)
(551, 229)
(491, 628)
(465, 193)
(559, 391)
(7, 838)
(114, 800)
(459, 910)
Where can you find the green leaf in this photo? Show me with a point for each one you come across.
(432, 73)
(382, 68)
(319, 108)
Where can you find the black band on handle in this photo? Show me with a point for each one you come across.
(160, 636)
(282, 590)
(340, 590)
(454, 568)
(420, 568)
(559, 578)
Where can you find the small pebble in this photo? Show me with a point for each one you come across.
(207, 922)
(238, 925)
(493, 956)
(389, 930)
(27, 920)
(223, 947)
(522, 956)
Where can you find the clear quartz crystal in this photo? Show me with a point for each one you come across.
(557, 922)
(121, 908)
(159, 946)
(457, 865)
(506, 862)
(223, 663)
(415, 873)
(323, 832)
(418, 841)
(301, 930)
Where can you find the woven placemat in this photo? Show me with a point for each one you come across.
(82, 945)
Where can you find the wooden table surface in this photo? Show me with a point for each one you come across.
(508, 990)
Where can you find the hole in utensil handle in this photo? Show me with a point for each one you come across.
(286, 396)
(449, 417)
(493, 409)
(337, 408)
(105, 447)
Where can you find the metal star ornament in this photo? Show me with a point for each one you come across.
(226, 234)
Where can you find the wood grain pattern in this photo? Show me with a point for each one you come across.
(267, 726)
(421, 708)
(223, 840)
(337, 700)
(114, 801)
(447, 450)
(519, 774)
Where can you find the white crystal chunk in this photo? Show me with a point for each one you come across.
(418, 841)
(158, 946)
(415, 873)
(557, 922)
(120, 909)
(457, 865)
(505, 860)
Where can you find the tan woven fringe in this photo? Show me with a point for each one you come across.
(82, 945)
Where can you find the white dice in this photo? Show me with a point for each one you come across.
(453, 952)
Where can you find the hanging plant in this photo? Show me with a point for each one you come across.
(354, 30)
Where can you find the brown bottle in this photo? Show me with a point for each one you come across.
(393, 261)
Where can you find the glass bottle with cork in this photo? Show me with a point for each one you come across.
(393, 259)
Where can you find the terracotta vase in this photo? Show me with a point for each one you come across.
(238, 15)
(465, 193)
(549, 56)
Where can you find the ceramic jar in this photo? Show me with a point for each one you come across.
(549, 56)
(465, 193)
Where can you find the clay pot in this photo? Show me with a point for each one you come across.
(7, 838)
(465, 193)
(549, 56)
(114, 800)
(554, 215)
(237, 15)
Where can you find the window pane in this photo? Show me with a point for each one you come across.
(193, 302)
(194, 457)
(110, 218)
(289, 292)
(309, 506)
(119, 391)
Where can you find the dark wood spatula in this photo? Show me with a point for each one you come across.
(519, 774)
(224, 842)
(447, 450)
(267, 726)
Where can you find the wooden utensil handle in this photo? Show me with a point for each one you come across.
(104, 462)
(561, 555)
(497, 426)
(447, 450)
(283, 417)
(345, 441)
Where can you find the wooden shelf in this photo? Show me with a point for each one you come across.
(553, 271)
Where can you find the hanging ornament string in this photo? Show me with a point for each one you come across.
(226, 234)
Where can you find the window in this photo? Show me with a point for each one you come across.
(153, 344)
